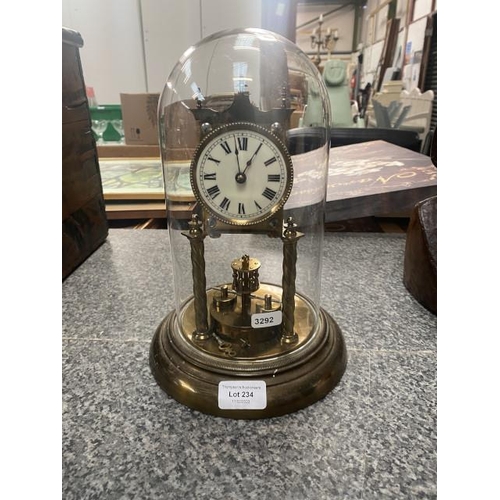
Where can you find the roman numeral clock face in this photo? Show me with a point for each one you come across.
(241, 173)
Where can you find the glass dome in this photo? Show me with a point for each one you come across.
(275, 75)
(244, 136)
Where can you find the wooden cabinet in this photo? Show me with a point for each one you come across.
(84, 223)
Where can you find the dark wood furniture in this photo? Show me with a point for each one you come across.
(307, 139)
(420, 263)
(84, 223)
(377, 179)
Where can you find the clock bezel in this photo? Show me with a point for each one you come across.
(243, 127)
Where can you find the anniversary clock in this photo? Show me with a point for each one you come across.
(248, 337)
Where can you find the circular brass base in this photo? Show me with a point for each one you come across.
(289, 388)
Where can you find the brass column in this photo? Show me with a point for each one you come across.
(196, 237)
(290, 238)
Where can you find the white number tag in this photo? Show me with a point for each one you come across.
(242, 395)
(262, 320)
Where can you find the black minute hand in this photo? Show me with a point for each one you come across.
(249, 162)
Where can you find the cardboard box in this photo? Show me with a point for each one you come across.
(140, 118)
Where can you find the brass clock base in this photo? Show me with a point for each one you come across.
(293, 380)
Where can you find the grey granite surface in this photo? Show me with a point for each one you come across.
(372, 437)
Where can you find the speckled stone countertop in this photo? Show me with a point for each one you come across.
(372, 437)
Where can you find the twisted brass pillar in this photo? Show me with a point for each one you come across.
(196, 237)
(290, 238)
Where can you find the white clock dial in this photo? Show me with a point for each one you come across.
(241, 173)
